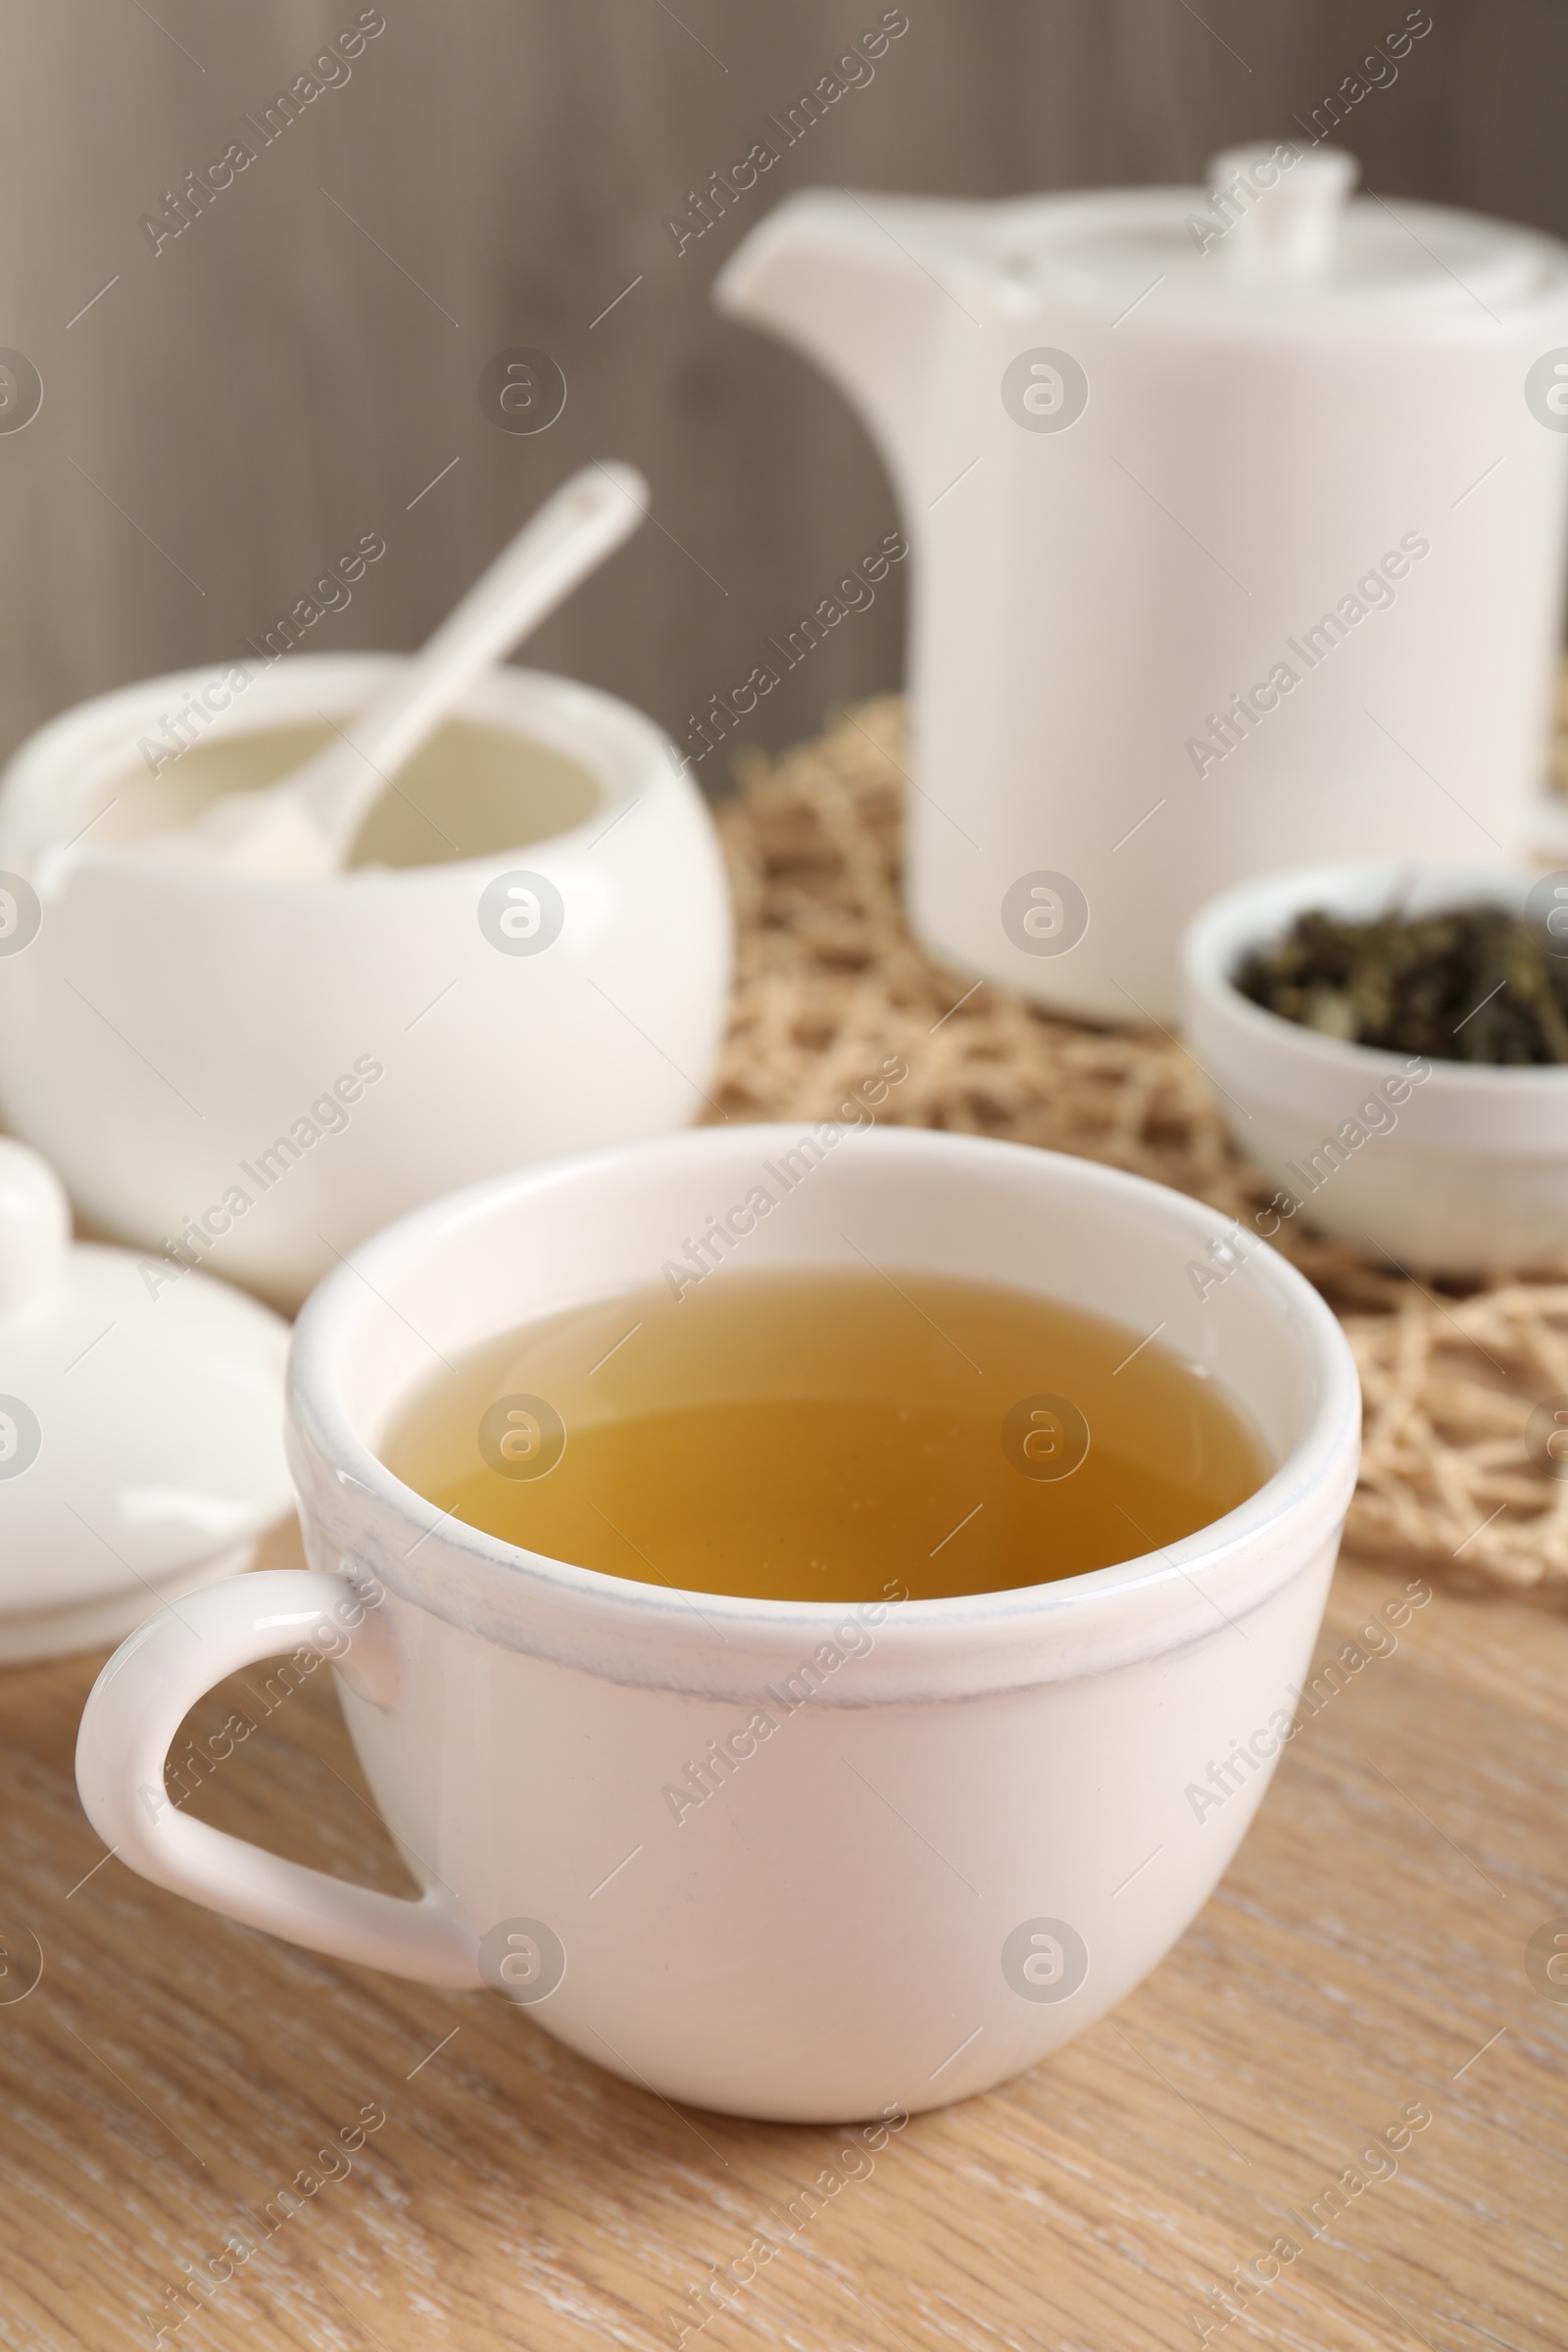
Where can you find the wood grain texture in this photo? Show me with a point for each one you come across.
(172, 2072)
(296, 366)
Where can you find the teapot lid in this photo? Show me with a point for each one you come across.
(1276, 234)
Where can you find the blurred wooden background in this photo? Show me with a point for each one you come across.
(292, 371)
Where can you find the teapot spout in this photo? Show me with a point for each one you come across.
(824, 273)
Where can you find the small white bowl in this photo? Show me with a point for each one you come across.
(1461, 1168)
(254, 1074)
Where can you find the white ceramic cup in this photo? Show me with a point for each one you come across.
(261, 1072)
(975, 1836)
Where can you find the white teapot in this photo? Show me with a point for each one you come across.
(1238, 525)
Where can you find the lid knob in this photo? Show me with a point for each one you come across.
(1283, 206)
(34, 1226)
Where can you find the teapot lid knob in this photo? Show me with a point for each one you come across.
(1285, 204)
(34, 1226)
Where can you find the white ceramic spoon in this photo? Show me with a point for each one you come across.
(307, 824)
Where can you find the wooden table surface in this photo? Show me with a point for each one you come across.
(169, 2073)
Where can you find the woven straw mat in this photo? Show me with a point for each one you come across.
(829, 982)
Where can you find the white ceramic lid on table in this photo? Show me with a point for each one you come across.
(140, 1426)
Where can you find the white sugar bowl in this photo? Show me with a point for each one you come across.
(528, 955)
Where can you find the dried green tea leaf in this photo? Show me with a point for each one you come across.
(1473, 984)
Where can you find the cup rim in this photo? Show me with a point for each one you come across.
(1317, 1472)
(68, 751)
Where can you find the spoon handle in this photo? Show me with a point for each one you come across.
(570, 536)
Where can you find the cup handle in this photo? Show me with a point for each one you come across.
(138, 1703)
